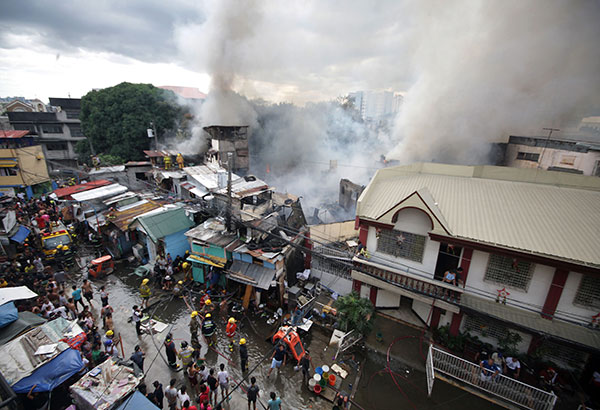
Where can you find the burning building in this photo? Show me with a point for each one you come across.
(230, 139)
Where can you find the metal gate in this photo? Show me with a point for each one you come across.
(430, 372)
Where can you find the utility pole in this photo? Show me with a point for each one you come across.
(229, 200)
(550, 131)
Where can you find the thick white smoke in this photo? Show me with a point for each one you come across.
(486, 69)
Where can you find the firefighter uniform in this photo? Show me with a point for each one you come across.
(194, 328)
(186, 354)
(230, 332)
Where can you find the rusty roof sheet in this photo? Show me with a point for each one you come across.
(122, 219)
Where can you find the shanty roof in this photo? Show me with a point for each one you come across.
(185, 92)
(122, 218)
(252, 274)
(13, 134)
(97, 193)
(543, 212)
(212, 231)
(207, 176)
(104, 170)
(165, 223)
(137, 163)
(69, 190)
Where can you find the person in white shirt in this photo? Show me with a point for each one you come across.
(223, 378)
(182, 397)
(512, 367)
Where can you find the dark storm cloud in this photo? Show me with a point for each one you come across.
(138, 28)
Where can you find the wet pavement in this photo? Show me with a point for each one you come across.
(374, 391)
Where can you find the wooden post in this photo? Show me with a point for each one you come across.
(247, 296)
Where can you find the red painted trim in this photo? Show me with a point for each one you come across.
(373, 295)
(554, 293)
(455, 324)
(435, 317)
(356, 223)
(395, 216)
(308, 245)
(363, 234)
(465, 263)
(356, 285)
(375, 224)
(536, 341)
(515, 254)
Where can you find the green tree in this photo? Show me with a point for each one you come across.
(355, 312)
(115, 119)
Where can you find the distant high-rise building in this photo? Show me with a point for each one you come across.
(375, 105)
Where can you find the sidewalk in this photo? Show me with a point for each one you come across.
(406, 349)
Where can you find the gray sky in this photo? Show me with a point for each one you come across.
(286, 51)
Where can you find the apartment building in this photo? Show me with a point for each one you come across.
(528, 243)
(22, 165)
(57, 132)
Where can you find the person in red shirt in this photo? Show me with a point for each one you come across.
(204, 394)
(230, 331)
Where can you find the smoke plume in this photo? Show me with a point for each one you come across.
(485, 70)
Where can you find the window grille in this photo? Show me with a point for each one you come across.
(484, 327)
(528, 156)
(588, 294)
(509, 272)
(572, 357)
(52, 129)
(323, 264)
(401, 244)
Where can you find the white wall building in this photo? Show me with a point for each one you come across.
(555, 155)
(531, 233)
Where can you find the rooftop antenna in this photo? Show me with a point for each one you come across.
(550, 131)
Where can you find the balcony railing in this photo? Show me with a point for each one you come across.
(504, 388)
(410, 281)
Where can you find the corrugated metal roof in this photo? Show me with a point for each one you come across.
(98, 193)
(533, 321)
(111, 169)
(483, 205)
(69, 190)
(122, 219)
(249, 273)
(165, 223)
(13, 134)
(241, 187)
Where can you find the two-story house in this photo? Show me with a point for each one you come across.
(22, 165)
(528, 243)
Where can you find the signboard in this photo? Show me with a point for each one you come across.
(150, 133)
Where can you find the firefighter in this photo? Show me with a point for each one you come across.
(187, 271)
(208, 307)
(59, 255)
(186, 354)
(243, 355)
(68, 260)
(179, 160)
(194, 327)
(167, 160)
(208, 329)
(230, 331)
(145, 293)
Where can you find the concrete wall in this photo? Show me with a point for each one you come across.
(333, 232)
(533, 298)
(566, 309)
(584, 161)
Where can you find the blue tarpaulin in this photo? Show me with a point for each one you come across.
(137, 401)
(52, 374)
(21, 234)
(8, 314)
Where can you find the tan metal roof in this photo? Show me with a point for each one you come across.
(548, 215)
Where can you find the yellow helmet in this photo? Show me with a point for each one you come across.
(109, 333)
(242, 341)
(59, 247)
(65, 248)
(145, 281)
(180, 282)
(208, 315)
(208, 302)
(194, 314)
(185, 265)
(231, 320)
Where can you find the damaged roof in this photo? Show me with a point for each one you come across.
(122, 219)
(69, 190)
(241, 187)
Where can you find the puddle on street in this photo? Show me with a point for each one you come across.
(374, 391)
